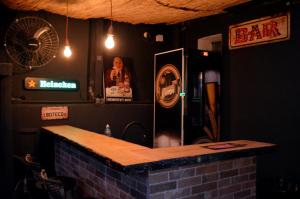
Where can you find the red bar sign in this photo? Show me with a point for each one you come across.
(260, 31)
(54, 113)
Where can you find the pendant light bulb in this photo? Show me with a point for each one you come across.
(67, 51)
(109, 42)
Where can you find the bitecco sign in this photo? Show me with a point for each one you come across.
(33, 83)
(260, 31)
(54, 113)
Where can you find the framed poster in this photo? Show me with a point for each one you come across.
(118, 80)
(168, 98)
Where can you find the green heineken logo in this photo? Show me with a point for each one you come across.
(33, 83)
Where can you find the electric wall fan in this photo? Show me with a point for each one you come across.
(31, 42)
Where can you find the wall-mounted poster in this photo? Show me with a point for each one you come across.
(168, 99)
(118, 80)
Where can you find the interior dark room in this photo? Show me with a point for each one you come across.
(66, 132)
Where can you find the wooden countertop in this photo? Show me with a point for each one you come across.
(129, 154)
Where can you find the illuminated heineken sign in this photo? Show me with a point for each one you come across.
(33, 83)
(53, 84)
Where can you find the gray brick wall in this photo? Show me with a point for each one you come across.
(229, 179)
(95, 179)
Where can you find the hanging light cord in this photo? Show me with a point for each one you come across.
(67, 23)
(111, 12)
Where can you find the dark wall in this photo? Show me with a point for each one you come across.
(83, 112)
(74, 68)
(264, 99)
(92, 117)
(261, 98)
(6, 135)
(130, 43)
(6, 148)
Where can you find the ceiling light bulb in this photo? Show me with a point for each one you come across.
(109, 42)
(67, 51)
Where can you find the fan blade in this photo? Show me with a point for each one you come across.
(40, 31)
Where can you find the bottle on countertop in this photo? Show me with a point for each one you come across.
(107, 130)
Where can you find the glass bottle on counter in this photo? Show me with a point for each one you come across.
(107, 130)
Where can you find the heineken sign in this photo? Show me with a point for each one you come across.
(34, 83)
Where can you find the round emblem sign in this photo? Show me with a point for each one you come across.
(167, 86)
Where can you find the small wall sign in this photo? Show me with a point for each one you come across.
(54, 112)
(167, 86)
(260, 31)
(34, 83)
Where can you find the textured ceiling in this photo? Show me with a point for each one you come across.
(131, 11)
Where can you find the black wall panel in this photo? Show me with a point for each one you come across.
(261, 95)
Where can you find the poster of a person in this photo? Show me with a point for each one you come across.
(212, 85)
(118, 82)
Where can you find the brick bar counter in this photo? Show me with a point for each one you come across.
(106, 167)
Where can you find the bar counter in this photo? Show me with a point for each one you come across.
(107, 167)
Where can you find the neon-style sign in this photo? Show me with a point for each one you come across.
(34, 83)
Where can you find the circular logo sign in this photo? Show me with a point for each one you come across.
(167, 86)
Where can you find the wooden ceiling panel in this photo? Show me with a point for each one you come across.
(131, 11)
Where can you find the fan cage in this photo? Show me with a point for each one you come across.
(31, 42)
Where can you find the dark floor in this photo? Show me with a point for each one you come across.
(278, 188)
